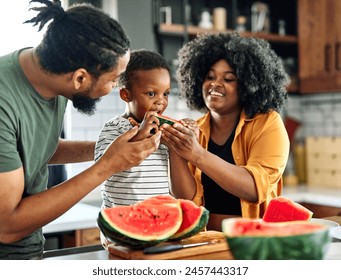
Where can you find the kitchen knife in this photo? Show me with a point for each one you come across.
(169, 248)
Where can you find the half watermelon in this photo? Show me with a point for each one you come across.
(141, 225)
(258, 240)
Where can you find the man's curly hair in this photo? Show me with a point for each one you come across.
(262, 79)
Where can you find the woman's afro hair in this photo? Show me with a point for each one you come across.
(262, 80)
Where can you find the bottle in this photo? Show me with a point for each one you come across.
(205, 20)
(241, 21)
(219, 18)
(281, 27)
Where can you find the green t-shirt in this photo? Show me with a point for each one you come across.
(30, 127)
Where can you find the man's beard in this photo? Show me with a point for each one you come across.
(84, 104)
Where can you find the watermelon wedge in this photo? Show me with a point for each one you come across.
(165, 119)
(283, 209)
(194, 220)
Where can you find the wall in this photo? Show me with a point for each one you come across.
(140, 30)
(320, 114)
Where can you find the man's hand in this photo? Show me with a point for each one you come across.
(122, 153)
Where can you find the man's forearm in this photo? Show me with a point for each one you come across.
(70, 151)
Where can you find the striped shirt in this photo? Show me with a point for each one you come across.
(138, 183)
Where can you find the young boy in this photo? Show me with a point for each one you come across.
(144, 87)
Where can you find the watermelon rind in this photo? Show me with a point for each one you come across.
(306, 246)
(198, 225)
(165, 119)
(122, 239)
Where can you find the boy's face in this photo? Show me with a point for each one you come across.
(149, 92)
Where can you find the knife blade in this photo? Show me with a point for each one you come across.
(174, 247)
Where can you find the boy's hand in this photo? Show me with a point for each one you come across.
(133, 121)
(148, 127)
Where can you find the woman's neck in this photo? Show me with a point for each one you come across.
(223, 126)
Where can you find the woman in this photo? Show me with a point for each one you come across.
(242, 149)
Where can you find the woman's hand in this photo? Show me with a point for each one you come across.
(191, 124)
(183, 139)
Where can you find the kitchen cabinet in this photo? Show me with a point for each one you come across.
(74, 238)
(185, 22)
(85, 237)
(319, 40)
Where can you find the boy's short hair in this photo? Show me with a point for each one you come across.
(142, 60)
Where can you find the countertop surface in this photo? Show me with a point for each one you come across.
(333, 253)
(315, 195)
(98, 253)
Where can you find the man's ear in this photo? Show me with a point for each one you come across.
(81, 79)
(124, 94)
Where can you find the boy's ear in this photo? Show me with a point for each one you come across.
(124, 94)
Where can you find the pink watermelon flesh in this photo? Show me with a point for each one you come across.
(160, 199)
(191, 214)
(150, 218)
(249, 227)
(282, 209)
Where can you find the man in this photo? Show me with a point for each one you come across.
(80, 58)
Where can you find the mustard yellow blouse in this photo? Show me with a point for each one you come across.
(261, 145)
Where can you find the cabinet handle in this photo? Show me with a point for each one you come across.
(337, 56)
(327, 50)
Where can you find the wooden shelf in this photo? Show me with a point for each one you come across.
(179, 29)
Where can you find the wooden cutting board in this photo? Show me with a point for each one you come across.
(218, 247)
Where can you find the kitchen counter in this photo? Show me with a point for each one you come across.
(314, 195)
(333, 253)
(98, 253)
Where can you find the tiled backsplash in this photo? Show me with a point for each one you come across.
(319, 115)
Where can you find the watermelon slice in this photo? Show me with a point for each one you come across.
(194, 220)
(283, 209)
(167, 120)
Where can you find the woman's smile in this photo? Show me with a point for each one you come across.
(214, 92)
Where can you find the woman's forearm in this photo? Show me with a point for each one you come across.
(232, 178)
(182, 181)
